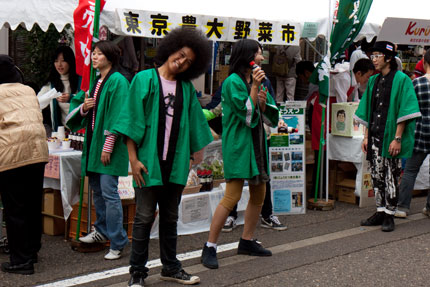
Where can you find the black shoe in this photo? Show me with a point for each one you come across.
(388, 224)
(25, 268)
(376, 219)
(181, 277)
(137, 279)
(253, 248)
(208, 258)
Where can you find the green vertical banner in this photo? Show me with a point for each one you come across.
(348, 20)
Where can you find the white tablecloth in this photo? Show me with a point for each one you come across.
(69, 182)
(349, 149)
(196, 211)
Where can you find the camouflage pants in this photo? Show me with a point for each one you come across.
(385, 174)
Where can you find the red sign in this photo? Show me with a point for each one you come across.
(84, 27)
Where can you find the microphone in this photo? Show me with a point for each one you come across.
(255, 66)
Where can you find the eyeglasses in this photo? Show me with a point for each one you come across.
(377, 56)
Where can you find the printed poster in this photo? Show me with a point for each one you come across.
(287, 160)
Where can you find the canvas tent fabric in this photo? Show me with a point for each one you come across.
(60, 12)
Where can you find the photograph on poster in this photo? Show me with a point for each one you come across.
(296, 139)
(277, 167)
(287, 156)
(287, 166)
(297, 199)
(297, 166)
(276, 156)
(297, 155)
(292, 121)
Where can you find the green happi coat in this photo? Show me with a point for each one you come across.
(110, 100)
(139, 121)
(403, 107)
(239, 117)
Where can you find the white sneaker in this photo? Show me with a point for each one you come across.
(93, 237)
(400, 214)
(113, 254)
(229, 224)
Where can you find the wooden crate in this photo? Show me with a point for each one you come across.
(128, 208)
(346, 189)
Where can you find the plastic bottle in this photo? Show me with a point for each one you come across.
(210, 180)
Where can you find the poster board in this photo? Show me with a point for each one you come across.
(287, 161)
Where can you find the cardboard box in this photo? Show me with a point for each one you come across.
(52, 202)
(346, 189)
(53, 225)
(342, 122)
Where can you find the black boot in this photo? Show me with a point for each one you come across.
(376, 219)
(253, 248)
(388, 224)
(208, 258)
(24, 268)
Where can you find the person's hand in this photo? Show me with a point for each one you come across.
(64, 98)
(394, 148)
(262, 98)
(89, 103)
(136, 169)
(364, 145)
(258, 76)
(105, 158)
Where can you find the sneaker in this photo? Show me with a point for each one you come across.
(137, 279)
(253, 248)
(113, 254)
(208, 258)
(229, 224)
(181, 277)
(426, 212)
(273, 222)
(93, 237)
(400, 214)
(376, 219)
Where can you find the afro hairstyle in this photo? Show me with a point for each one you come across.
(186, 37)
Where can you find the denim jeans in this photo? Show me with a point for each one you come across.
(168, 198)
(108, 209)
(410, 173)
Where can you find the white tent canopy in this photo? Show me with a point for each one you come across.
(60, 12)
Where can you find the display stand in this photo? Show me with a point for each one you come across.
(287, 161)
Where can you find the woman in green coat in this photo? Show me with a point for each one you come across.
(104, 157)
(246, 105)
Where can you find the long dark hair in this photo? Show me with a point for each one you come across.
(54, 76)
(242, 54)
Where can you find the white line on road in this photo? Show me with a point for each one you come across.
(221, 248)
(124, 270)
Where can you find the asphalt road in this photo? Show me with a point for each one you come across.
(320, 248)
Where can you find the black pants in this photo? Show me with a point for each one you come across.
(266, 210)
(21, 194)
(168, 198)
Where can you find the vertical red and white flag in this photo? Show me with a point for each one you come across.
(84, 27)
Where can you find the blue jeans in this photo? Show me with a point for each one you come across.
(410, 173)
(168, 198)
(108, 209)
